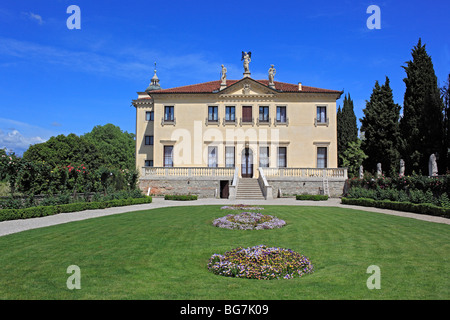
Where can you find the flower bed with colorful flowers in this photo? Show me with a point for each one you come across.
(241, 207)
(260, 262)
(249, 221)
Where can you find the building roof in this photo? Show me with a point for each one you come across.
(214, 86)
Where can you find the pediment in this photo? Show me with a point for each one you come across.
(247, 87)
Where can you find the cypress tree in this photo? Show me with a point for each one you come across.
(445, 90)
(380, 125)
(421, 124)
(347, 128)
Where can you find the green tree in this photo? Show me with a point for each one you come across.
(380, 125)
(347, 128)
(116, 146)
(353, 157)
(66, 150)
(10, 166)
(421, 124)
(445, 91)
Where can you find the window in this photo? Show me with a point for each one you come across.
(230, 113)
(229, 157)
(212, 157)
(263, 114)
(321, 114)
(281, 114)
(321, 157)
(213, 114)
(148, 140)
(264, 157)
(282, 157)
(149, 116)
(168, 113)
(149, 163)
(168, 156)
(247, 114)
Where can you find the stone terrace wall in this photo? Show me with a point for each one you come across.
(306, 186)
(203, 188)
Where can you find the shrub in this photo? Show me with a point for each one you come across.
(421, 208)
(42, 211)
(314, 197)
(180, 197)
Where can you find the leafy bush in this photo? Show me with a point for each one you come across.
(42, 211)
(314, 197)
(421, 208)
(180, 197)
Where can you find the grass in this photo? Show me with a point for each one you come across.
(163, 253)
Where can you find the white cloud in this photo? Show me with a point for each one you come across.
(15, 141)
(132, 62)
(34, 17)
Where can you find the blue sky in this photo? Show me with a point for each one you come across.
(59, 81)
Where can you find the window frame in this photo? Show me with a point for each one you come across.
(279, 158)
(171, 114)
(324, 159)
(278, 114)
(265, 115)
(149, 116)
(150, 141)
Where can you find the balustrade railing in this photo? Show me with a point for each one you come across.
(305, 172)
(187, 172)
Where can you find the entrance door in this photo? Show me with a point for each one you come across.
(224, 189)
(247, 163)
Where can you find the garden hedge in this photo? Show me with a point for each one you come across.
(180, 197)
(42, 211)
(423, 208)
(314, 197)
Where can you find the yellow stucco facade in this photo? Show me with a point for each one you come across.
(246, 123)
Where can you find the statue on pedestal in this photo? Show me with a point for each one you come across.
(272, 72)
(223, 76)
(402, 168)
(432, 166)
(247, 58)
(379, 171)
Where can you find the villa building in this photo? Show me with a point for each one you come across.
(236, 139)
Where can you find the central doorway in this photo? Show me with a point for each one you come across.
(247, 163)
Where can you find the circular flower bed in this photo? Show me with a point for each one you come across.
(241, 207)
(249, 221)
(260, 262)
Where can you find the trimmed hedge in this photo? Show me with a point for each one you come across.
(314, 197)
(423, 208)
(180, 197)
(42, 211)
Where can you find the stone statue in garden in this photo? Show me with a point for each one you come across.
(379, 171)
(361, 172)
(432, 166)
(402, 168)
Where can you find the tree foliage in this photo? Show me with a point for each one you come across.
(421, 124)
(116, 146)
(347, 128)
(445, 92)
(380, 125)
(66, 150)
(353, 157)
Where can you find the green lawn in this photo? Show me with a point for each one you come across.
(162, 254)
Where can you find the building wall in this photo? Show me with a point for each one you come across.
(191, 134)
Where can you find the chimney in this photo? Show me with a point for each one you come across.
(299, 86)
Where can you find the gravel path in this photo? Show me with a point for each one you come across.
(14, 226)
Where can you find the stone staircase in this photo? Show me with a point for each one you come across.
(249, 189)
